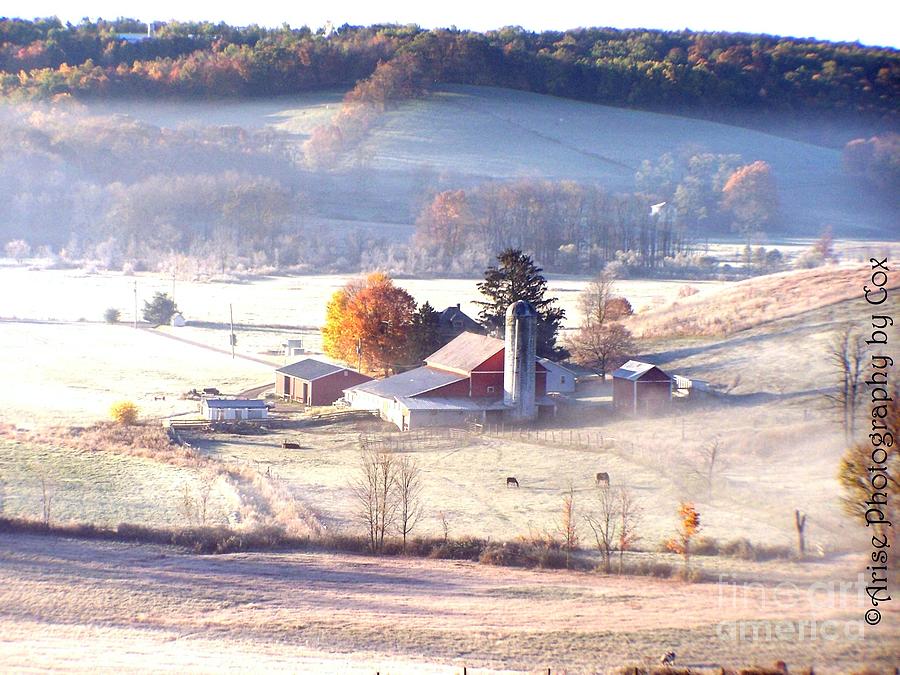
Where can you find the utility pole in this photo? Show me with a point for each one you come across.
(135, 303)
(359, 355)
(233, 341)
(173, 284)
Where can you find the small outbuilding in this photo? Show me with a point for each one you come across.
(560, 380)
(233, 409)
(641, 387)
(314, 382)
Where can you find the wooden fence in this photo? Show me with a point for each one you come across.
(577, 438)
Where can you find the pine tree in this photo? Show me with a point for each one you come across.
(424, 337)
(516, 277)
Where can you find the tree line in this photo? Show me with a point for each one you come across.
(700, 73)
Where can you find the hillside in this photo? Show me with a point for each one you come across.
(756, 301)
(464, 135)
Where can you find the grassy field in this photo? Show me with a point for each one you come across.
(130, 606)
(105, 488)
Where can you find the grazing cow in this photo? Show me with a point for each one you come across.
(603, 478)
(668, 659)
(511, 480)
(290, 446)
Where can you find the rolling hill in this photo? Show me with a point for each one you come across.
(463, 135)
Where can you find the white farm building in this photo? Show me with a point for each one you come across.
(233, 409)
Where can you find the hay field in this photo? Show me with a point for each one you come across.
(129, 606)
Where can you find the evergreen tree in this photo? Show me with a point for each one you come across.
(159, 310)
(424, 338)
(516, 277)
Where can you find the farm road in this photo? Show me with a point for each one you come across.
(210, 347)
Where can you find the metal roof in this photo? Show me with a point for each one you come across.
(234, 403)
(310, 369)
(635, 370)
(410, 383)
(465, 352)
(553, 365)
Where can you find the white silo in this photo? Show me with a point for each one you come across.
(519, 362)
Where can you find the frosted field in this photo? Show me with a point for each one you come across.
(73, 373)
(102, 487)
(72, 295)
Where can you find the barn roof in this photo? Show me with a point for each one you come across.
(410, 383)
(635, 370)
(234, 403)
(465, 352)
(309, 369)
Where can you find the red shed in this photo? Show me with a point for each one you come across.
(641, 387)
(315, 382)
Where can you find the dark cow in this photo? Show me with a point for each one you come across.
(511, 480)
(668, 659)
(603, 478)
(290, 446)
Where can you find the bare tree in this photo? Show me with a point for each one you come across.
(710, 454)
(408, 488)
(629, 519)
(188, 506)
(47, 493)
(601, 339)
(568, 527)
(847, 352)
(373, 490)
(604, 523)
(800, 522)
(204, 491)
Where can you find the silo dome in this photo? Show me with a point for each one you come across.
(520, 308)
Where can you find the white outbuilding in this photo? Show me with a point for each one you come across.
(560, 380)
(233, 409)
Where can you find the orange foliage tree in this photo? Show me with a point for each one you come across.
(373, 315)
(751, 196)
(688, 526)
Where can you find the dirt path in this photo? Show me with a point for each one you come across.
(120, 604)
(210, 348)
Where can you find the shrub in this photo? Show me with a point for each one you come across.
(111, 315)
(687, 291)
(124, 412)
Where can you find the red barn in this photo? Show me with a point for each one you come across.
(313, 382)
(462, 381)
(641, 387)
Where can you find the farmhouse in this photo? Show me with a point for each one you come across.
(453, 322)
(472, 378)
(560, 380)
(641, 387)
(313, 382)
(233, 409)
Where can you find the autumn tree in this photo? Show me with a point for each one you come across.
(869, 472)
(444, 222)
(516, 277)
(751, 197)
(124, 413)
(373, 316)
(688, 527)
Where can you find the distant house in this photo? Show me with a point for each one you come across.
(560, 380)
(314, 382)
(293, 347)
(233, 409)
(641, 387)
(453, 322)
